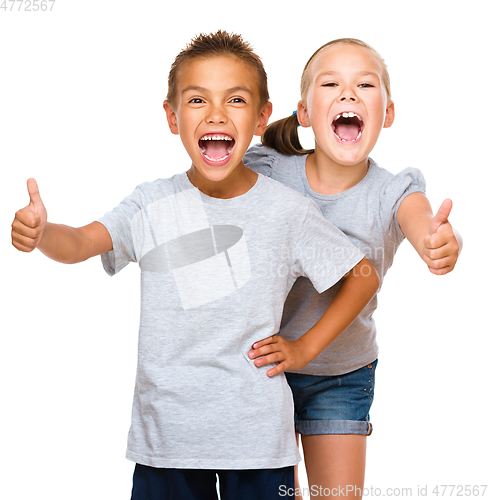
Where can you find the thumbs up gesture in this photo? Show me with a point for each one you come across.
(442, 244)
(30, 221)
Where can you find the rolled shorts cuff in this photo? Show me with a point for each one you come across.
(314, 427)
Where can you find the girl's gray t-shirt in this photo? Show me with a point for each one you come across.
(215, 274)
(366, 213)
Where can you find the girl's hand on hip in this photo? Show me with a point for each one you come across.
(289, 354)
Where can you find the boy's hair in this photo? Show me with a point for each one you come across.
(220, 43)
(282, 135)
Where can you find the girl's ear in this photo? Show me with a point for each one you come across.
(302, 115)
(390, 113)
(171, 117)
(265, 113)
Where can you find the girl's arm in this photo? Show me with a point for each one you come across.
(435, 240)
(357, 289)
(66, 244)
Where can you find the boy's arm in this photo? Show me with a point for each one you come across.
(357, 289)
(66, 244)
(435, 240)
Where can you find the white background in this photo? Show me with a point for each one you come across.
(81, 92)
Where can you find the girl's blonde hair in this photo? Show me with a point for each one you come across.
(282, 135)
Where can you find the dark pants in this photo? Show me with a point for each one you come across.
(200, 484)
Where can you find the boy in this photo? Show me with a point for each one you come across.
(219, 248)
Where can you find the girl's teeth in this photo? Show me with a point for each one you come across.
(349, 114)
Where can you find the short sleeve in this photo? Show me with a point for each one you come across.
(261, 159)
(410, 180)
(122, 225)
(323, 253)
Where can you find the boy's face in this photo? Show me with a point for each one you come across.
(217, 111)
(346, 103)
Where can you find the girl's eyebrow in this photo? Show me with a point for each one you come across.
(196, 88)
(360, 73)
(368, 73)
(327, 73)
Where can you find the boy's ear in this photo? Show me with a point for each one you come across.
(302, 115)
(263, 118)
(390, 113)
(171, 117)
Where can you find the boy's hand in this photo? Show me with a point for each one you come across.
(289, 354)
(442, 245)
(29, 222)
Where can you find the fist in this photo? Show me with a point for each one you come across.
(30, 221)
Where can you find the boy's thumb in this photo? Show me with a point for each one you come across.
(35, 198)
(441, 216)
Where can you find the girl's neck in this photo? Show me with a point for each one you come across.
(328, 177)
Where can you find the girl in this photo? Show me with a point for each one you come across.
(345, 98)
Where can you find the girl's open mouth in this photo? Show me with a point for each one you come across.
(216, 149)
(348, 127)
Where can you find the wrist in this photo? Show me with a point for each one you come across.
(459, 239)
(307, 348)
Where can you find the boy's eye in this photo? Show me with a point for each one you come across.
(237, 100)
(196, 100)
(365, 85)
(329, 84)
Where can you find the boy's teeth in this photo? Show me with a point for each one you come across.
(216, 138)
(216, 159)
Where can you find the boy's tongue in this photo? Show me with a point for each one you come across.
(216, 149)
(347, 131)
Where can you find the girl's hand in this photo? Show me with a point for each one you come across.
(443, 244)
(289, 354)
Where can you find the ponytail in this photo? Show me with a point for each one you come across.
(283, 136)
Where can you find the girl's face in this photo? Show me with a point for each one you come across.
(346, 104)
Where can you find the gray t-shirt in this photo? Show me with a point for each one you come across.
(215, 274)
(366, 213)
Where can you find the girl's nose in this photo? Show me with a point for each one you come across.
(347, 94)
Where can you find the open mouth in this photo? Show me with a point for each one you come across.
(348, 126)
(216, 148)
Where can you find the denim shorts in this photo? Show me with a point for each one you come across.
(333, 405)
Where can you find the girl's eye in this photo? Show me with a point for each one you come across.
(365, 85)
(329, 84)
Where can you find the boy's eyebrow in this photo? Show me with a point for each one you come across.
(197, 88)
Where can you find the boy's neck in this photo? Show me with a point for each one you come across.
(239, 182)
(329, 178)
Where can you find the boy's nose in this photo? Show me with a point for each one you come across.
(216, 116)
